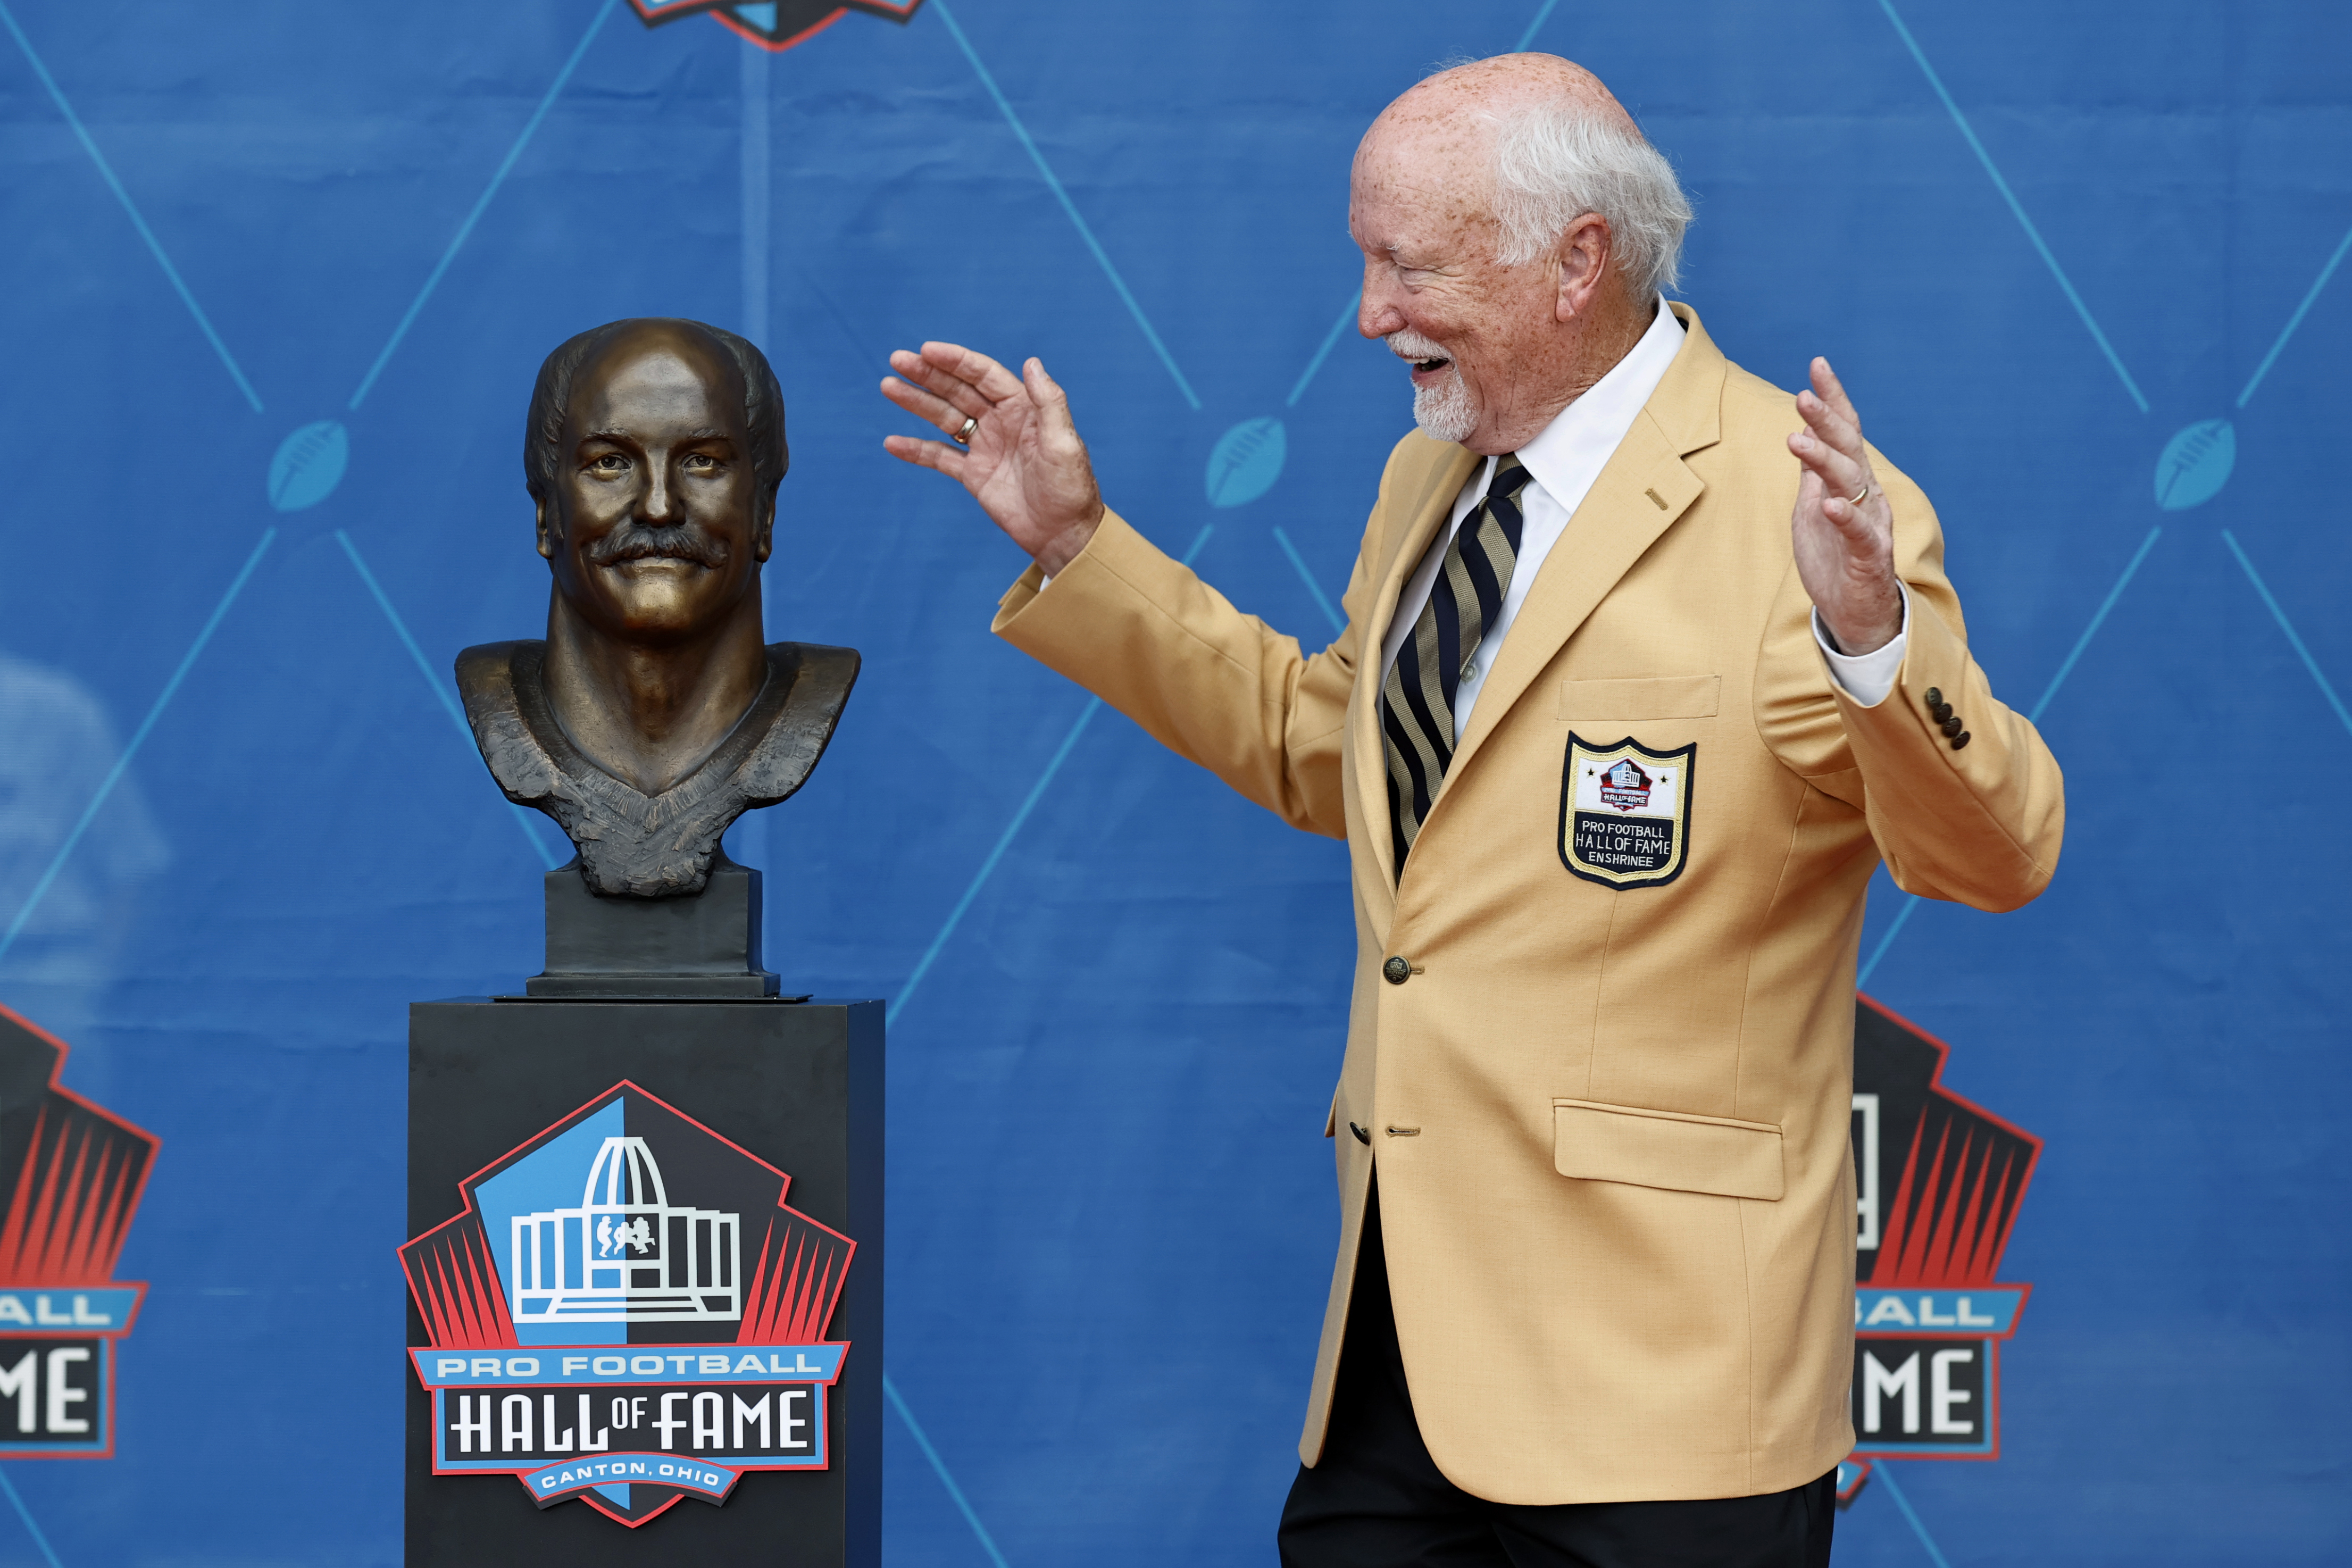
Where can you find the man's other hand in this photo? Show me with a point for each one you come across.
(1845, 549)
(1025, 465)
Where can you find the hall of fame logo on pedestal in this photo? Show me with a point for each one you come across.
(595, 1337)
(1939, 1183)
(1625, 812)
(74, 1175)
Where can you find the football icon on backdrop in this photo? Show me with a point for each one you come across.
(627, 1312)
(775, 25)
(73, 1175)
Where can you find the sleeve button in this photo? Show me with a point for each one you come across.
(1396, 971)
(1960, 740)
(1951, 726)
(1935, 697)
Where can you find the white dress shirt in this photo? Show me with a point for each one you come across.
(1562, 461)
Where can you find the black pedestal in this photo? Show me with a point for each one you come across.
(705, 944)
(798, 1085)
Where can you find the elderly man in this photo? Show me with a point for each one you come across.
(1614, 748)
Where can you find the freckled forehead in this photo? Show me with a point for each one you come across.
(1426, 165)
(659, 374)
(1422, 177)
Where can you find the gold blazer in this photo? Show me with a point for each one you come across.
(1610, 1098)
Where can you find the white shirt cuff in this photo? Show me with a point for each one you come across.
(1867, 677)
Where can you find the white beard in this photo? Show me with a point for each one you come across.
(1444, 411)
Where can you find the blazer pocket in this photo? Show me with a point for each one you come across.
(1596, 1142)
(1664, 696)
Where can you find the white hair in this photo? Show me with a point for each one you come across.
(1554, 162)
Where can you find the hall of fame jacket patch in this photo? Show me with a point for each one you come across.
(627, 1312)
(1625, 812)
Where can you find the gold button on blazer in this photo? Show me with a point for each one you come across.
(1621, 1242)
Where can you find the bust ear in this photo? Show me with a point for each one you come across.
(546, 537)
(763, 531)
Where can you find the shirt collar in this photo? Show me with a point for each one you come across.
(1569, 453)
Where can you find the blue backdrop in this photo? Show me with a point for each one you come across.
(240, 830)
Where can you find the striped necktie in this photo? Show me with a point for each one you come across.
(1417, 698)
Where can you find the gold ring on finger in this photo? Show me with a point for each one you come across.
(963, 436)
(1856, 498)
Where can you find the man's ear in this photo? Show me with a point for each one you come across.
(763, 531)
(1585, 252)
(546, 536)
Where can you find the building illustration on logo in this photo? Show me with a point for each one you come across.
(74, 1175)
(1939, 1183)
(623, 1346)
(1625, 785)
(624, 1255)
(774, 25)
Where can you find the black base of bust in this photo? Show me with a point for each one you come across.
(797, 1086)
(705, 944)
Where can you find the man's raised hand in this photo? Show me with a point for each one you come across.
(1026, 466)
(1844, 548)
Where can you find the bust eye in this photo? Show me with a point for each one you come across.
(699, 463)
(608, 463)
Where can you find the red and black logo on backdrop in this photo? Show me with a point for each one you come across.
(71, 1175)
(1939, 1183)
(775, 25)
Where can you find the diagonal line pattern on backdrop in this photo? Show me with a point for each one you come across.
(465, 229)
(1069, 206)
(48, 1553)
(2065, 668)
(1911, 902)
(1299, 561)
(106, 171)
(448, 703)
(1330, 340)
(2097, 620)
(1886, 1472)
(939, 1468)
(1004, 839)
(2015, 206)
(1533, 27)
(2326, 688)
(138, 739)
(2295, 321)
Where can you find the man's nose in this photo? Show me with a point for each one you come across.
(658, 503)
(1378, 316)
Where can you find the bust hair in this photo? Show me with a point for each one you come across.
(1554, 162)
(763, 402)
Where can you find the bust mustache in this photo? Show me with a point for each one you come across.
(638, 542)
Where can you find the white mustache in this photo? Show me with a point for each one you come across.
(1407, 344)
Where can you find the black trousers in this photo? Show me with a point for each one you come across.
(1378, 1500)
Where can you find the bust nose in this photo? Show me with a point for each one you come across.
(658, 503)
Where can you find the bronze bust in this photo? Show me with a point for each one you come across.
(652, 717)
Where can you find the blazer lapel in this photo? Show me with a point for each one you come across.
(1427, 514)
(1643, 490)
